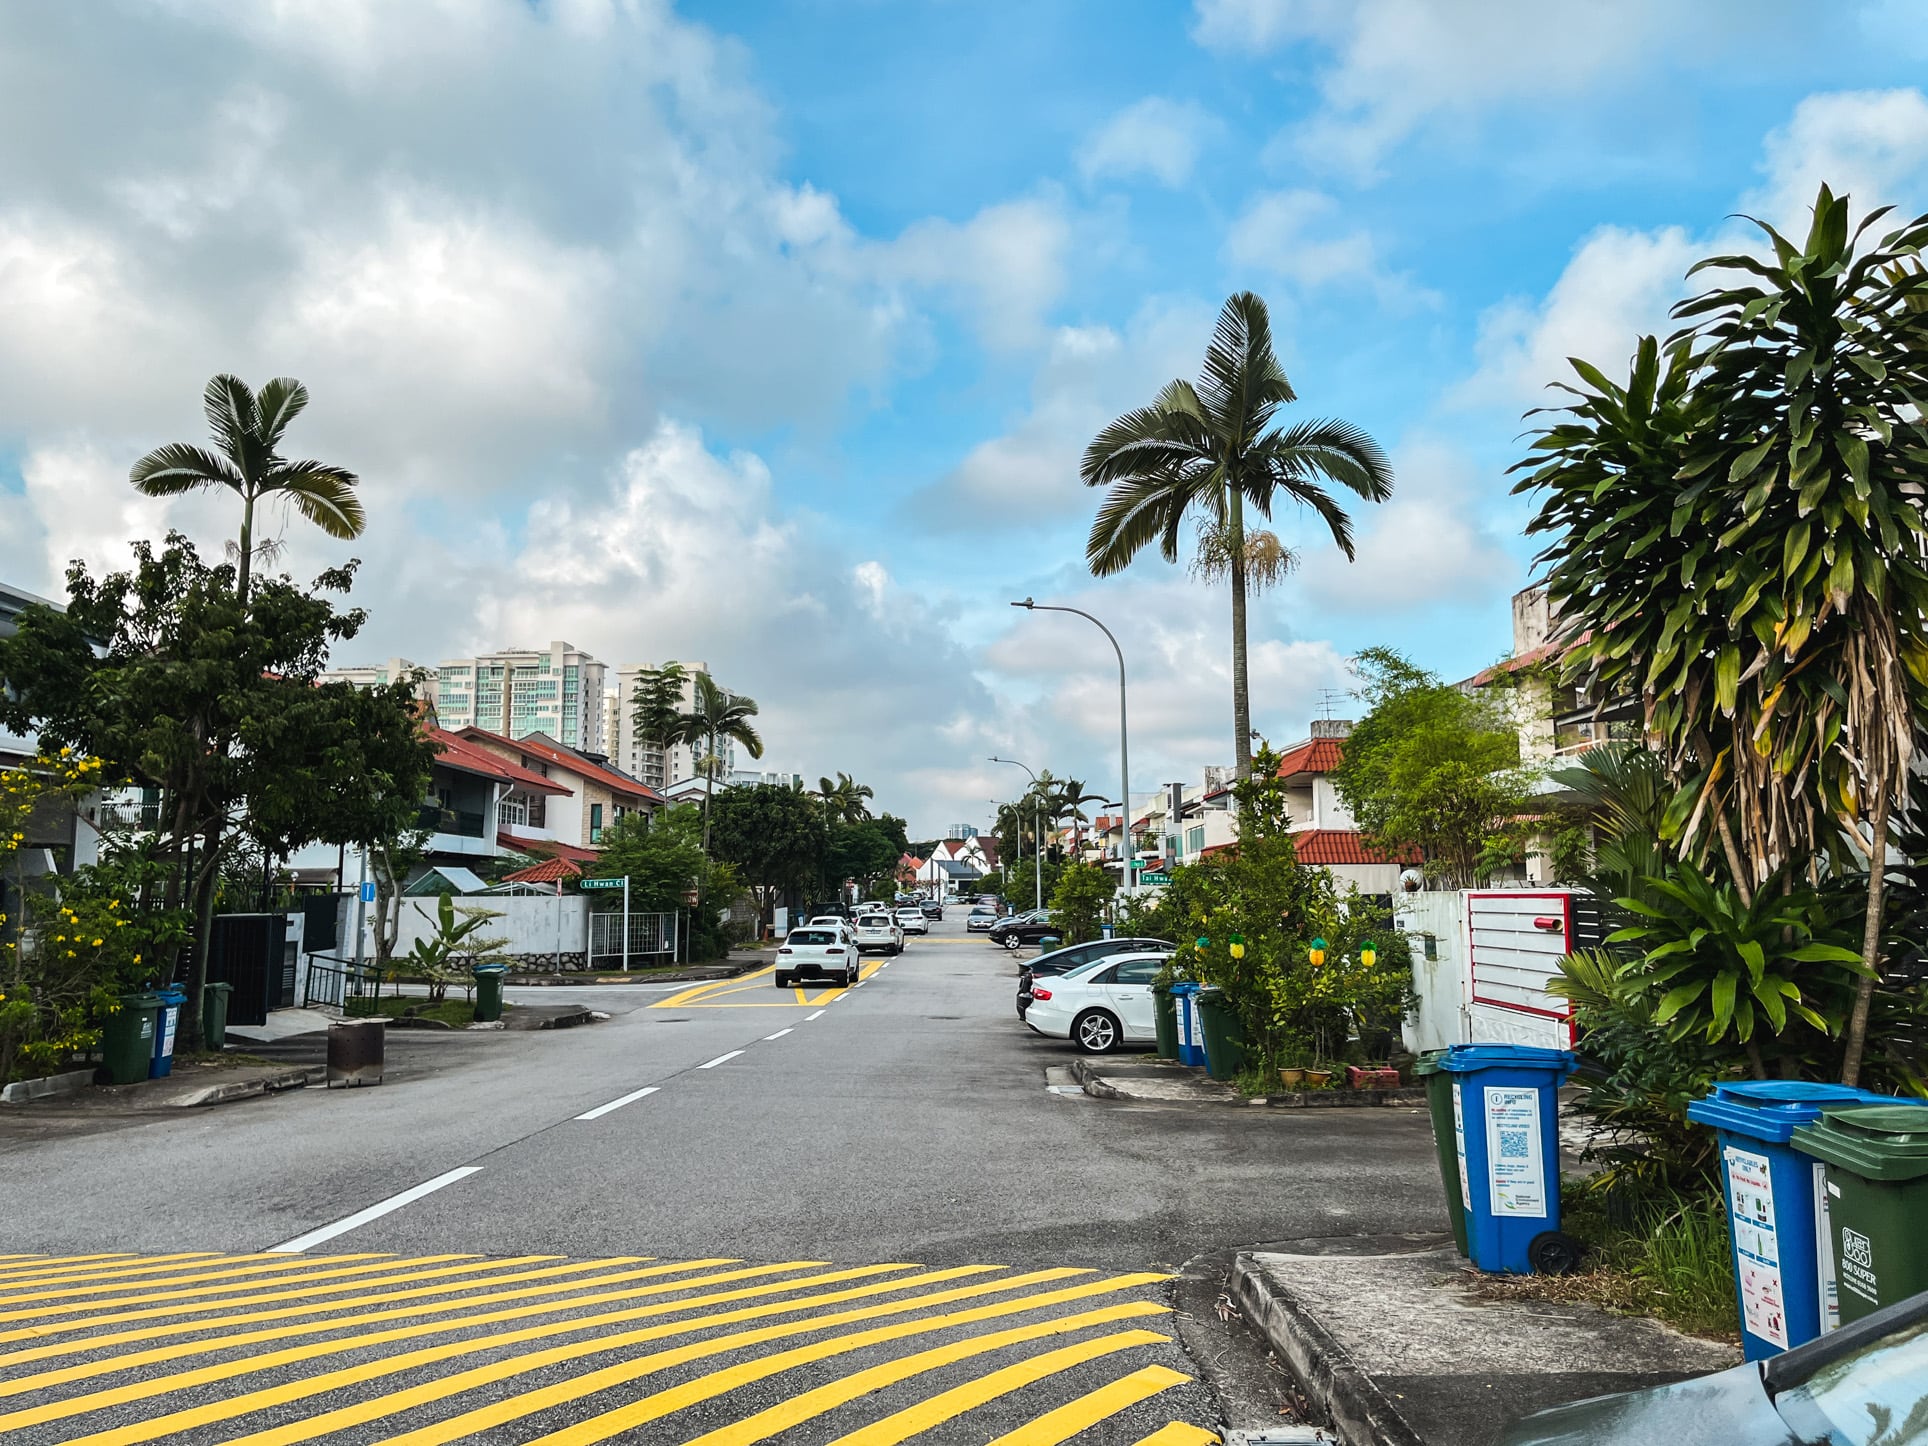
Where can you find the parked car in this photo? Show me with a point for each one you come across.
(933, 908)
(980, 919)
(1073, 956)
(1021, 929)
(911, 920)
(1100, 1005)
(1861, 1385)
(817, 952)
(879, 931)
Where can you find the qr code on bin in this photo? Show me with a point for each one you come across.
(1513, 1144)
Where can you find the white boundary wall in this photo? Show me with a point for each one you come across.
(534, 924)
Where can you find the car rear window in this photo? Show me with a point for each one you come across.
(874, 921)
(812, 936)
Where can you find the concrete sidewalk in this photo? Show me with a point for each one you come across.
(1387, 1343)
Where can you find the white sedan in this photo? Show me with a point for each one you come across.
(880, 932)
(912, 921)
(1100, 1005)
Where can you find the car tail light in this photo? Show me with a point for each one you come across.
(1037, 993)
(834, 949)
(784, 950)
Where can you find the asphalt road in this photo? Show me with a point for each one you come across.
(904, 1121)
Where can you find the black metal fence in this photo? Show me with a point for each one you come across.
(338, 983)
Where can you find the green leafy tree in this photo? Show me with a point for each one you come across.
(248, 433)
(657, 702)
(1737, 538)
(864, 853)
(775, 838)
(1430, 768)
(174, 683)
(1211, 449)
(664, 859)
(846, 800)
(1078, 901)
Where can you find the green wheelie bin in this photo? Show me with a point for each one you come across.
(1877, 1197)
(1439, 1104)
(1165, 1020)
(214, 1014)
(127, 1038)
(1224, 1034)
(488, 991)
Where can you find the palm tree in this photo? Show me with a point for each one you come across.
(1209, 447)
(248, 431)
(716, 717)
(658, 704)
(845, 799)
(1072, 797)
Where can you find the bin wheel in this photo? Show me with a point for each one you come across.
(1551, 1253)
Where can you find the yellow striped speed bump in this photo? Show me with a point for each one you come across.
(117, 1350)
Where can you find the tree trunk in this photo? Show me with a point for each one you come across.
(207, 879)
(1870, 942)
(247, 548)
(1241, 686)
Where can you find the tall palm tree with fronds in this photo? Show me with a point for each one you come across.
(716, 717)
(1210, 448)
(846, 799)
(248, 433)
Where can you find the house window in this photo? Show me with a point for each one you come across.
(595, 823)
(1195, 840)
(514, 810)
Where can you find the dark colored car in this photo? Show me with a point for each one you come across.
(1021, 929)
(933, 909)
(1071, 956)
(1863, 1385)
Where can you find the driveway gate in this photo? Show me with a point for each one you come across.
(652, 939)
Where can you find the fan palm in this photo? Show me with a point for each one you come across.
(1210, 447)
(845, 799)
(248, 431)
(716, 717)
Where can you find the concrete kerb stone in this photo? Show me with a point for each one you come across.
(1165, 1083)
(1334, 1385)
(22, 1091)
(244, 1089)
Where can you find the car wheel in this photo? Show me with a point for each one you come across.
(1095, 1032)
(783, 981)
(849, 978)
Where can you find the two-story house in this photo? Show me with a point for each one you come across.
(594, 796)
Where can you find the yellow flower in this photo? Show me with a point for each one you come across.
(96, 944)
(137, 958)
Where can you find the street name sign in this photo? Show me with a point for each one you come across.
(1154, 878)
(600, 883)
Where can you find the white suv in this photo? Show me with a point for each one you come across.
(880, 932)
(816, 952)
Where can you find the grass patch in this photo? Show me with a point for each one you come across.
(459, 1013)
(1670, 1260)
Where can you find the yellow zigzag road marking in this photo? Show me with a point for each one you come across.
(770, 1423)
(533, 1401)
(283, 1275)
(1178, 1434)
(162, 1385)
(1069, 1419)
(473, 1264)
(109, 1364)
(945, 1405)
(649, 1408)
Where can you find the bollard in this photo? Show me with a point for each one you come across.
(355, 1052)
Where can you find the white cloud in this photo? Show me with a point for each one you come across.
(1300, 235)
(1431, 546)
(1398, 65)
(1871, 145)
(1155, 138)
(1618, 286)
(1005, 266)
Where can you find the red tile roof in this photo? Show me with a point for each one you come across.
(1319, 755)
(460, 754)
(1344, 846)
(569, 762)
(546, 847)
(549, 871)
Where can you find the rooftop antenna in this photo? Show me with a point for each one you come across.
(1328, 697)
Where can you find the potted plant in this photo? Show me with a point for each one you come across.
(1319, 1075)
(1292, 1075)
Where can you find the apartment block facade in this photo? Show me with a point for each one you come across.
(655, 766)
(558, 690)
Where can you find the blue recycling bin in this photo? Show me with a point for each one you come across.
(172, 997)
(1191, 1033)
(1506, 1134)
(1777, 1207)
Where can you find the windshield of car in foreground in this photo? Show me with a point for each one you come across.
(812, 936)
(1872, 1397)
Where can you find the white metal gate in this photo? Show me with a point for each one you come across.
(1515, 939)
(652, 939)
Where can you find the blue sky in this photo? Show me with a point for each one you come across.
(770, 333)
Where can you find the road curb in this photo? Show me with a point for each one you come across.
(1345, 1395)
(24, 1091)
(1093, 1084)
(244, 1089)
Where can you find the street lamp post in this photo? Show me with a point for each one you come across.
(1037, 831)
(1124, 742)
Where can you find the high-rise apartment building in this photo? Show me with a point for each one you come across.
(374, 675)
(519, 691)
(644, 760)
